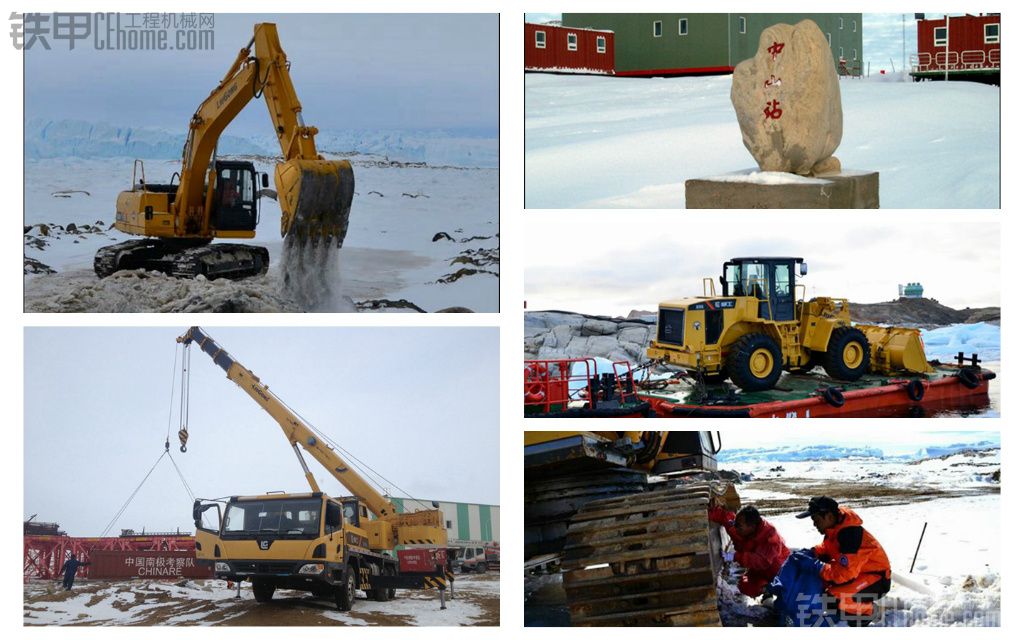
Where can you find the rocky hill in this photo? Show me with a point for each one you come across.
(920, 312)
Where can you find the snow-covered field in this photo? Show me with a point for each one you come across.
(595, 142)
(390, 252)
(956, 580)
(210, 602)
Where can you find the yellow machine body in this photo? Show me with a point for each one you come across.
(699, 333)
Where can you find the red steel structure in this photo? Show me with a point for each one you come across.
(45, 555)
(970, 45)
(568, 49)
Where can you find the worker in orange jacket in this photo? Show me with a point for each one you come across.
(759, 547)
(851, 562)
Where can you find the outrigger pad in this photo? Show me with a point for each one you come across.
(315, 198)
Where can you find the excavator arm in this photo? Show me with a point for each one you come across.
(295, 429)
(315, 194)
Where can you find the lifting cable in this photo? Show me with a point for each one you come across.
(186, 365)
(170, 403)
(120, 511)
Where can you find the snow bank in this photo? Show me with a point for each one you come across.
(595, 141)
(945, 342)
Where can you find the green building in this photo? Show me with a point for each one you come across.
(655, 44)
(465, 522)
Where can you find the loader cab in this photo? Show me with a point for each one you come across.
(235, 198)
(772, 281)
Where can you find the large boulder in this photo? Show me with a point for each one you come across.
(787, 101)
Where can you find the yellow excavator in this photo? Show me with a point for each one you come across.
(624, 515)
(311, 541)
(760, 327)
(219, 199)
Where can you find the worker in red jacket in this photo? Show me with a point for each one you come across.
(850, 560)
(759, 547)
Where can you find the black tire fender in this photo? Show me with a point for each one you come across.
(968, 377)
(915, 390)
(834, 396)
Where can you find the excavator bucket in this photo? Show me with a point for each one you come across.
(896, 350)
(315, 198)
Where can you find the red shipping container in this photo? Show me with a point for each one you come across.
(569, 50)
(146, 564)
(422, 560)
(972, 42)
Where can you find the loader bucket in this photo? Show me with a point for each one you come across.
(315, 198)
(896, 350)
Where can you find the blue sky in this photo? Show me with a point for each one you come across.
(883, 35)
(418, 405)
(351, 71)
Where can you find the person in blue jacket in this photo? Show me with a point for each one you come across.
(69, 570)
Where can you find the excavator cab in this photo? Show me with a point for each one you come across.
(235, 197)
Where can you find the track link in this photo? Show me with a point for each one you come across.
(218, 260)
(649, 559)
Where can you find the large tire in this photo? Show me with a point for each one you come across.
(848, 354)
(345, 593)
(754, 362)
(263, 589)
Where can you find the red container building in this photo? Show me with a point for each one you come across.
(967, 48)
(558, 49)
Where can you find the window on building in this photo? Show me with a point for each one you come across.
(940, 37)
(540, 39)
(854, 54)
(684, 26)
(840, 23)
(601, 44)
(840, 52)
(828, 36)
(992, 33)
(743, 24)
(657, 28)
(854, 25)
(571, 40)
(447, 524)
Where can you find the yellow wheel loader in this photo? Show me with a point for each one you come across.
(760, 327)
(626, 514)
(218, 199)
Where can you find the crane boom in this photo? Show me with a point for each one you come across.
(294, 427)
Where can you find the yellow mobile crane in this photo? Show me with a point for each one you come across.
(220, 199)
(311, 541)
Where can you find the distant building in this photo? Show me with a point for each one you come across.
(669, 44)
(558, 49)
(465, 522)
(958, 48)
(912, 290)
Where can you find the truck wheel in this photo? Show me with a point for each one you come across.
(848, 354)
(481, 567)
(263, 590)
(754, 362)
(345, 594)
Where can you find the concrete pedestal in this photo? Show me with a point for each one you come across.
(775, 190)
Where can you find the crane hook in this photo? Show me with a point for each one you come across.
(183, 438)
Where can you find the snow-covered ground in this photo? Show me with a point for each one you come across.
(211, 602)
(390, 252)
(595, 142)
(956, 579)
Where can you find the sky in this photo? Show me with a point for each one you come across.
(418, 405)
(892, 442)
(620, 264)
(883, 35)
(351, 71)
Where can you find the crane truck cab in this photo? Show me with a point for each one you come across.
(303, 541)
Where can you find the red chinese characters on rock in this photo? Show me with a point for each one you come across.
(772, 110)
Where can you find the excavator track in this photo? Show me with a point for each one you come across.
(649, 559)
(218, 260)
